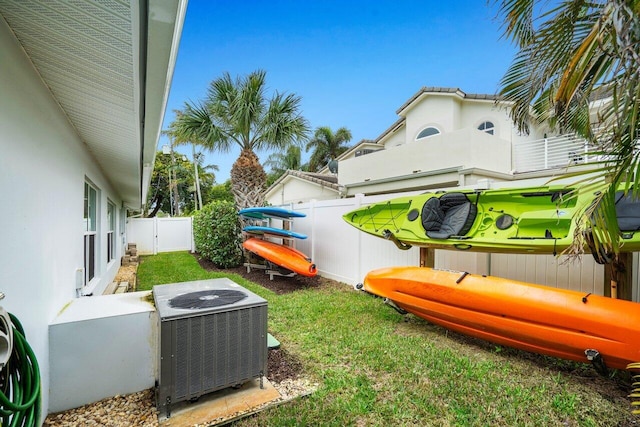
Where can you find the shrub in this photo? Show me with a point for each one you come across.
(217, 234)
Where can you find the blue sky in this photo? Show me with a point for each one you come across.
(353, 63)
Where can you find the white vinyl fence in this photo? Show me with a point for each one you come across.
(343, 253)
(153, 235)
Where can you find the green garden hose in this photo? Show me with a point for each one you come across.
(20, 383)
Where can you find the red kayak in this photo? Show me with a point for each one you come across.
(284, 256)
(556, 322)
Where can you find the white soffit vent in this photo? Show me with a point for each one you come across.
(86, 53)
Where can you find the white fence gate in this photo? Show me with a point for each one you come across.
(153, 235)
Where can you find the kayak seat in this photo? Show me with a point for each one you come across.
(627, 212)
(450, 215)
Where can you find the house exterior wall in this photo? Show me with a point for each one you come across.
(459, 145)
(393, 139)
(449, 113)
(295, 190)
(464, 148)
(43, 168)
(442, 112)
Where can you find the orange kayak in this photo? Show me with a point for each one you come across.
(284, 256)
(556, 322)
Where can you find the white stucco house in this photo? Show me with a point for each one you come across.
(83, 88)
(443, 138)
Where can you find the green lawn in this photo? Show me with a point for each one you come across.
(378, 368)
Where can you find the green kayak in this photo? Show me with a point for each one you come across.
(514, 220)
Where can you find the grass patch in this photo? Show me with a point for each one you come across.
(175, 267)
(378, 368)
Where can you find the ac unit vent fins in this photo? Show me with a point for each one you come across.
(207, 299)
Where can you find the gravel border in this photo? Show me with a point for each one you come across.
(138, 409)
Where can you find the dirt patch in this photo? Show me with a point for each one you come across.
(282, 365)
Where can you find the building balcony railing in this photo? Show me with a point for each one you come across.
(549, 153)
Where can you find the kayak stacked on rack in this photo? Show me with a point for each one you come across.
(277, 259)
(539, 220)
(562, 323)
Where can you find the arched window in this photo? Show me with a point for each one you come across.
(427, 132)
(487, 127)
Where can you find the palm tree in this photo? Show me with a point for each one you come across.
(327, 146)
(571, 53)
(237, 112)
(281, 162)
(198, 160)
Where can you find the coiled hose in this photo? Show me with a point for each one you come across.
(20, 383)
(635, 392)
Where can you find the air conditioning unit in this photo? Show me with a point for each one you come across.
(212, 335)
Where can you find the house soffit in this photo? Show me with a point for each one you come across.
(92, 58)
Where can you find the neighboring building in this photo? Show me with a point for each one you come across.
(444, 138)
(84, 87)
(299, 187)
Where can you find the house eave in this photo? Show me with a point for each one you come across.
(444, 91)
(109, 70)
(292, 175)
(356, 187)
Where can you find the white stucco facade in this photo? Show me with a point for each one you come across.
(472, 140)
(66, 177)
(43, 169)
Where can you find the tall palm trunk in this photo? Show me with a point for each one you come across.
(196, 166)
(248, 180)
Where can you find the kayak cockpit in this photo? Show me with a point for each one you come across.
(452, 214)
(627, 212)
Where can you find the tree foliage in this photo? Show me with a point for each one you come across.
(572, 53)
(237, 112)
(280, 162)
(159, 196)
(217, 234)
(327, 146)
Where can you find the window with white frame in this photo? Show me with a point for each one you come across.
(90, 231)
(427, 132)
(487, 127)
(111, 227)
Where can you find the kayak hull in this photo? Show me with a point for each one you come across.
(267, 212)
(260, 230)
(555, 322)
(283, 256)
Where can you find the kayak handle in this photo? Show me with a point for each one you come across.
(464, 274)
(462, 246)
(387, 234)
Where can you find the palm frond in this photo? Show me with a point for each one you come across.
(327, 145)
(567, 54)
(282, 124)
(518, 20)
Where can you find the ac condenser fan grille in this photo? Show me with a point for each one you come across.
(207, 299)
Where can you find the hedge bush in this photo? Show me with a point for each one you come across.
(217, 234)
